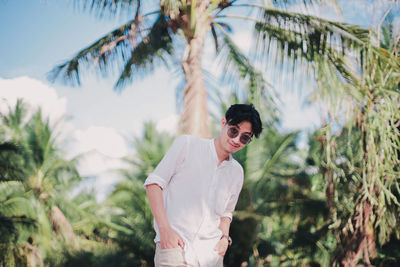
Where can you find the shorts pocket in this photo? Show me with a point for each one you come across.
(170, 249)
(169, 256)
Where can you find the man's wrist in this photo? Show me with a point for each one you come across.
(227, 237)
(164, 227)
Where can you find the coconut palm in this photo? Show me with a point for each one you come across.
(265, 194)
(174, 27)
(118, 232)
(281, 211)
(131, 200)
(33, 162)
(360, 154)
(18, 221)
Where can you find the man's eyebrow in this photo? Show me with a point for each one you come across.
(236, 125)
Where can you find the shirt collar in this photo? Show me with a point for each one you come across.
(214, 153)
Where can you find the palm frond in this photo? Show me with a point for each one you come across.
(17, 218)
(306, 4)
(238, 67)
(152, 47)
(9, 147)
(110, 8)
(299, 37)
(11, 158)
(282, 146)
(215, 37)
(10, 188)
(123, 46)
(111, 47)
(16, 115)
(349, 35)
(172, 8)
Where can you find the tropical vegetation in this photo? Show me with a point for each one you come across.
(334, 203)
(175, 31)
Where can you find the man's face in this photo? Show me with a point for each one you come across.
(241, 130)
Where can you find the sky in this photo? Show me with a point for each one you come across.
(36, 35)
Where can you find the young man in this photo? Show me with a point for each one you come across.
(194, 190)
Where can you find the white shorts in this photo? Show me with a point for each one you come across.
(174, 257)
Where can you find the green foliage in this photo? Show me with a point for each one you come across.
(281, 216)
(35, 179)
(335, 204)
(360, 148)
(11, 159)
(16, 213)
(114, 46)
(133, 47)
(288, 209)
(111, 8)
(101, 257)
(153, 46)
(130, 198)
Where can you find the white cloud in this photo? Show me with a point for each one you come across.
(168, 124)
(100, 149)
(101, 171)
(95, 164)
(33, 92)
(244, 40)
(297, 118)
(105, 140)
(294, 95)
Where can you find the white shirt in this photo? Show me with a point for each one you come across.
(197, 193)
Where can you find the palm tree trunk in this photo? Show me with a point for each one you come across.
(362, 244)
(62, 225)
(194, 118)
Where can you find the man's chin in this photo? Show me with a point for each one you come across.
(236, 150)
(229, 149)
(233, 150)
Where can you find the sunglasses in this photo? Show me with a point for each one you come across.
(233, 132)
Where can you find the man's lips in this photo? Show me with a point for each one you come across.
(233, 145)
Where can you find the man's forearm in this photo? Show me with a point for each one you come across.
(223, 243)
(168, 237)
(155, 195)
(224, 225)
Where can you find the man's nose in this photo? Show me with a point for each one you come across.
(237, 139)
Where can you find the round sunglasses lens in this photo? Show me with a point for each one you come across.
(245, 139)
(232, 132)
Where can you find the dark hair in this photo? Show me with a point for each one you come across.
(244, 112)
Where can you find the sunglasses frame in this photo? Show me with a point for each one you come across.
(234, 135)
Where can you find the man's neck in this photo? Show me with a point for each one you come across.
(221, 153)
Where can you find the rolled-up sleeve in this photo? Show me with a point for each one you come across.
(167, 167)
(230, 207)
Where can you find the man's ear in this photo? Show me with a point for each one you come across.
(223, 122)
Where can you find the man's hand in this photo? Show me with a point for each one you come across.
(221, 247)
(170, 239)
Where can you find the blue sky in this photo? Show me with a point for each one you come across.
(35, 35)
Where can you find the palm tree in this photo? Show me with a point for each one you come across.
(359, 158)
(34, 161)
(268, 171)
(281, 212)
(18, 221)
(182, 26)
(129, 197)
(120, 231)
